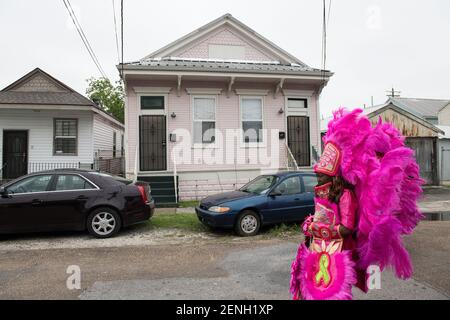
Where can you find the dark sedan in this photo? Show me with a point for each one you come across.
(73, 200)
(279, 198)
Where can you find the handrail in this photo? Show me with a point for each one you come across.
(135, 173)
(290, 156)
(175, 182)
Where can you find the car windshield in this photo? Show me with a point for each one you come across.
(260, 185)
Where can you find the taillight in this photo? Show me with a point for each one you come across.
(143, 194)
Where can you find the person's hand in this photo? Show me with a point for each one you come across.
(306, 226)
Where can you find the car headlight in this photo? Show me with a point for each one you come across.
(219, 209)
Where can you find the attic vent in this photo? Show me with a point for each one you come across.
(219, 51)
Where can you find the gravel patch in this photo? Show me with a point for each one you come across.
(136, 236)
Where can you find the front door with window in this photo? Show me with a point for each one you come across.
(152, 143)
(299, 140)
(15, 154)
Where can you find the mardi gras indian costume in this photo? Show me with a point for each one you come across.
(377, 205)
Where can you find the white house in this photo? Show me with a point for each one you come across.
(44, 124)
(217, 107)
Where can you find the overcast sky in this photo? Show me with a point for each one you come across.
(372, 45)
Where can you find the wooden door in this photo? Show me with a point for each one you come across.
(426, 157)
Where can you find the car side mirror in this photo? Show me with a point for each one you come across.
(3, 192)
(275, 193)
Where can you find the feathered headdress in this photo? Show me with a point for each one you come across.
(387, 185)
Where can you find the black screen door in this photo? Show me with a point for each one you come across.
(15, 154)
(152, 144)
(299, 139)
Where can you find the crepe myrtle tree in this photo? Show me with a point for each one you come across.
(108, 96)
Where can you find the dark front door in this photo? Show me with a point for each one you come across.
(152, 143)
(15, 154)
(298, 139)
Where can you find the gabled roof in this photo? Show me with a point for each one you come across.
(54, 93)
(166, 58)
(39, 88)
(424, 107)
(226, 19)
(378, 109)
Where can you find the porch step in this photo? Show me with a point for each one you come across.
(162, 189)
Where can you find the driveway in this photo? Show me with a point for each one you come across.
(216, 267)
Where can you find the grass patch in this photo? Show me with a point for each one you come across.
(281, 230)
(184, 221)
(188, 204)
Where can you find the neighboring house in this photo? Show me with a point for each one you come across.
(44, 124)
(444, 153)
(412, 119)
(221, 78)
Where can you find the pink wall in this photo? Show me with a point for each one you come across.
(227, 116)
(224, 36)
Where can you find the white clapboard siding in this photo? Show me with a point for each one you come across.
(39, 125)
(103, 136)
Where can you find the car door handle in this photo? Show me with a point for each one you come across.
(82, 198)
(37, 202)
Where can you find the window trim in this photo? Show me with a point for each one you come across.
(65, 137)
(152, 112)
(51, 184)
(57, 175)
(303, 182)
(141, 96)
(306, 100)
(300, 180)
(203, 144)
(241, 129)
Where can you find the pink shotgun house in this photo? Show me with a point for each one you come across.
(214, 109)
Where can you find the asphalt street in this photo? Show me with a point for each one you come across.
(207, 268)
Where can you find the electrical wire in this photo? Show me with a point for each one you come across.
(115, 31)
(121, 34)
(84, 38)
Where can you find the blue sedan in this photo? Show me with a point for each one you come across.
(268, 199)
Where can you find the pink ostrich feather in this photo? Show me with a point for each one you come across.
(342, 271)
(387, 185)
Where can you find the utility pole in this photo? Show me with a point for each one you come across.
(393, 93)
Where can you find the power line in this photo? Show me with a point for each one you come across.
(324, 39)
(326, 19)
(121, 34)
(115, 30)
(84, 38)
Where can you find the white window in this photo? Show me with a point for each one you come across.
(297, 103)
(204, 119)
(65, 136)
(252, 119)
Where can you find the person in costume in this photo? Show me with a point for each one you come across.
(365, 200)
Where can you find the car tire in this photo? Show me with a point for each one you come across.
(103, 223)
(247, 224)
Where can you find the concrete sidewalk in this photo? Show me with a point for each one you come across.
(435, 203)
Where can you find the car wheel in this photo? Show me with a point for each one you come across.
(103, 223)
(247, 224)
